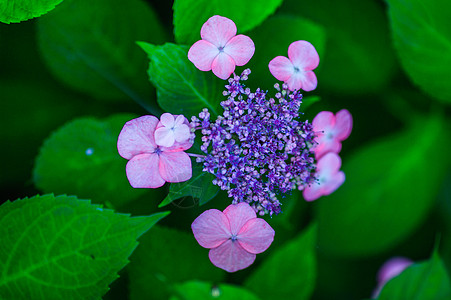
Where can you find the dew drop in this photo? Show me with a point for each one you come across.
(89, 151)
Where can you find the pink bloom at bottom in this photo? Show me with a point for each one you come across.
(234, 236)
(391, 268)
(329, 177)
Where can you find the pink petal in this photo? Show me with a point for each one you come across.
(281, 68)
(238, 215)
(326, 145)
(303, 55)
(223, 65)
(175, 166)
(333, 183)
(180, 120)
(309, 81)
(295, 81)
(312, 192)
(230, 256)
(167, 120)
(256, 236)
(211, 228)
(393, 267)
(330, 163)
(202, 53)
(181, 133)
(164, 136)
(142, 171)
(324, 120)
(218, 30)
(137, 137)
(343, 125)
(241, 48)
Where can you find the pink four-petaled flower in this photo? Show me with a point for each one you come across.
(331, 130)
(150, 165)
(296, 70)
(171, 129)
(329, 177)
(234, 236)
(220, 48)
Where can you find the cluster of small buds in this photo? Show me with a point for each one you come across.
(258, 148)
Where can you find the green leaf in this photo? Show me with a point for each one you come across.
(200, 187)
(190, 15)
(165, 257)
(389, 189)
(427, 280)
(64, 248)
(422, 36)
(289, 272)
(90, 46)
(358, 57)
(81, 158)
(181, 87)
(194, 290)
(15, 11)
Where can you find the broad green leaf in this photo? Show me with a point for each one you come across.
(359, 58)
(426, 280)
(181, 87)
(390, 187)
(190, 15)
(422, 36)
(90, 46)
(81, 158)
(286, 29)
(64, 248)
(289, 272)
(165, 257)
(194, 290)
(15, 11)
(200, 187)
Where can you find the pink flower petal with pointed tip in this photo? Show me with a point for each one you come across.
(309, 81)
(175, 166)
(211, 228)
(303, 55)
(164, 136)
(343, 124)
(218, 30)
(142, 171)
(202, 53)
(230, 256)
(238, 215)
(223, 65)
(137, 137)
(241, 48)
(281, 68)
(256, 236)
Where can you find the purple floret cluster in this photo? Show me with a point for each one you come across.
(258, 148)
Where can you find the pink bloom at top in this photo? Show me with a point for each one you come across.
(150, 165)
(220, 48)
(296, 70)
(329, 177)
(171, 129)
(330, 130)
(234, 236)
(391, 268)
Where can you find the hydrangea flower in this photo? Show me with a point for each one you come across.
(258, 148)
(171, 129)
(234, 236)
(220, 48)
(391, 268)
(331, 130)
(328, 175)
(296, 70)
(150, 165)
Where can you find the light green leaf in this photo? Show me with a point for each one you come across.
(190, 15)
(200, 187)
(15, 11)
(289, 272)
(165, 257)
(181, 87)
(90, 46)
(389, 189)
(194, 290)
(427, 280)
(422, 36)
(64, 248)
(81, 158)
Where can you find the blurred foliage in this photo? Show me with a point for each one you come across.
(376, 60)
